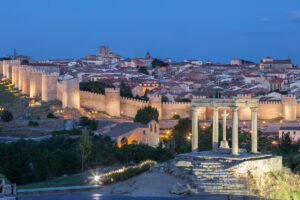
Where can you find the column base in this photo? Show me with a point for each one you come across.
(255, 152)
(224, 144)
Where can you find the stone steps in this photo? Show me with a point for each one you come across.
(216, 177)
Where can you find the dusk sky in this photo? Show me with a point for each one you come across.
(214, 30)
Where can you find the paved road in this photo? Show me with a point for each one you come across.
(98, 196)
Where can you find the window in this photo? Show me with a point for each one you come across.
(144, 132)
(151, 128)
(155, 129)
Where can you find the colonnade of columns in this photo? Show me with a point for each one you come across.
(215, 133)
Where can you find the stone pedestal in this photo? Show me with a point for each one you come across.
(224, 144)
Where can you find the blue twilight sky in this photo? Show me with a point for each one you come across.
(214, 30)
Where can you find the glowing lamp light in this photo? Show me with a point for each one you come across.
(189, 137)
(168, 132)
(280, 122)
(274, 142)
(96, 178)
(264, 122)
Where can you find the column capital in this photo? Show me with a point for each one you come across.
(234, 108)
(216, 108)
(254, 109)
(195, 108)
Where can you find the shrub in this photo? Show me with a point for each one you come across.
(140, 152)
(6, 116)
(50, 115)
(281, 184)
(32, 123)
(86, 122)
(126, 172)
(176, 116)
(94, 125)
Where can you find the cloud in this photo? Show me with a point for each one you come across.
(264, 20)
(295, 15)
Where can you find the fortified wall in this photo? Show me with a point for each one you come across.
(44, 84)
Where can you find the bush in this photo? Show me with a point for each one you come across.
(140, 152)
(86, 122)
(126, 172)
(176, 116)
(50, 115)
(277, 185)
(32, 123)
(6, 116)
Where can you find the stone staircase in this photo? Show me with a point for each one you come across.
(214, 176)
(207, 175)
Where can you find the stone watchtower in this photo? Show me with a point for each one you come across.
(155, 102)
(71, 93)
(289, 107)
(49, 86)
(36, 84)
(26, 80)
(113, 101)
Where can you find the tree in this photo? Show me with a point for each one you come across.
(6, 116)
(125, 90)
(180, 135)
(124, 141)
(158, 63)
(85, 147)
(146, 114)
(50, 115)
(285, 143)
(164, 98)
(93, 86)
(143, 70)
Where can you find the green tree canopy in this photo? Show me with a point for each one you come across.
(158, 63)
(143, 70)
(125, 90)
(6, 116)
(93, 86)
(146, 114)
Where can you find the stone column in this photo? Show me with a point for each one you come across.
(195, 130)
(224, 142)
(254, 130)
(215, 140)
(235, 129)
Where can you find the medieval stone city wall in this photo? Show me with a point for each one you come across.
(41, 82)
(129, 106)
(92, 100)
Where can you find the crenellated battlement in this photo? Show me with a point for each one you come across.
(49, 74)
(90, 93)
(132, 100)
(112, 90)
(199, 97)
(177, 103)
(270, 102)
(155, 98)
(244, 96)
